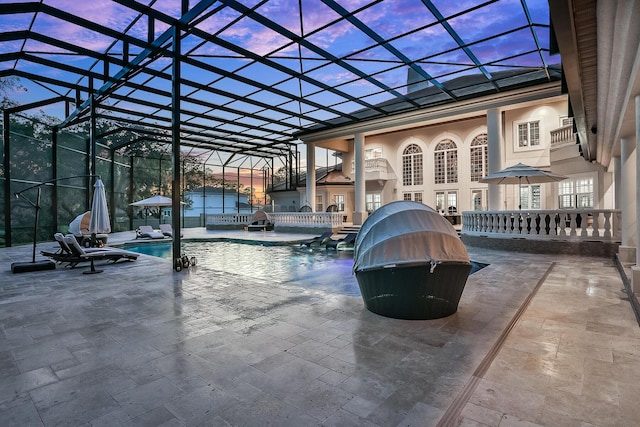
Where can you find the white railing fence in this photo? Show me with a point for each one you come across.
(373, 165)
(563, 135)
(568, 224)
(327, 220)
(228, 219)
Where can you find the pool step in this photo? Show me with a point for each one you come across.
(349, 229)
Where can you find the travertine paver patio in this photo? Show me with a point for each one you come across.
(140, 344)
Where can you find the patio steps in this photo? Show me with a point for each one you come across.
(349, 229)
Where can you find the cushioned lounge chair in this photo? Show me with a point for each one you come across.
(166, 229)
(318, 240)
(260, 222)
(65, 254)
(147, 232)
(83, 255)
(342, 244)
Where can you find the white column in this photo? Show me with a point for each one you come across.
(635, 269)
(360, 213)
(311, 176)
(494, 145)
(627, 199)
(617, 179)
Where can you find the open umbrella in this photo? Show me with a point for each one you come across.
(155, 201)
(522, 173)
(99, 221)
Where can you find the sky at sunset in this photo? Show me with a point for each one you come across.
(347, 64)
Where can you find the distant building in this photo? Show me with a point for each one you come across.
(212, 200)
(333, 188)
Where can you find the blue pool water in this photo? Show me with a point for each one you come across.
(317, 268)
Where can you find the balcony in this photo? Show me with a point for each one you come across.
(377, 169)
(563, 144)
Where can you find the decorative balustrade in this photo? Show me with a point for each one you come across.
(325, 220)
(308, 219)
(563, 135)
(228, 219)
(561, 224)
(374, 165)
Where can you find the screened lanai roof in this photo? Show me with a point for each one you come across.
(256, 75)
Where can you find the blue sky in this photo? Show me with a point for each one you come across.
(410, 28)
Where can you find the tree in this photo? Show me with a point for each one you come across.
(281, 175)
(8, 86)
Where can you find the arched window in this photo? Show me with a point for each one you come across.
(446, 162)
(479, 157)
(412, 165)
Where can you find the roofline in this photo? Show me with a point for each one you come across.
(461, 109)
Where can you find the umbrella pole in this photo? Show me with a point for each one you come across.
(92, 270)
(519, 193)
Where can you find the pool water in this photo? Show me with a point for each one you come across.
(317, 268)
(325, 270)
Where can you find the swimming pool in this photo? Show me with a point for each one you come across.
(328, 271)
(317, 268)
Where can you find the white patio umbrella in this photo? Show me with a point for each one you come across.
(99, 221)
(520, 173)
(155, 201)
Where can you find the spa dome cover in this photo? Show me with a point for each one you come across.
(406, 233)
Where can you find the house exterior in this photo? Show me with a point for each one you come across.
(439, 161)
(334, 189)
(210, 200)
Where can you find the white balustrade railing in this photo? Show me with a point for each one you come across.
(563, 135)
(373, 165)
(566, 224)
(228, 219)
(283, 219)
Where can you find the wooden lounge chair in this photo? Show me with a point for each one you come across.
(147, 232)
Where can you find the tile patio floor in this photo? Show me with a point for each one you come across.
(537, 340)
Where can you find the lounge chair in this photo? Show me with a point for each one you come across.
(260, 222)
(318, 240)
(343, 244)
(64, 254)
(83, 255)
(147, 232)
(166, 229)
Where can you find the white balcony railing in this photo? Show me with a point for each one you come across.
(561, 224)
(563, 135)
(283, 219)
(379, 165)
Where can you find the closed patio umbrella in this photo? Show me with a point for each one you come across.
(99, 221)
(522, 173)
